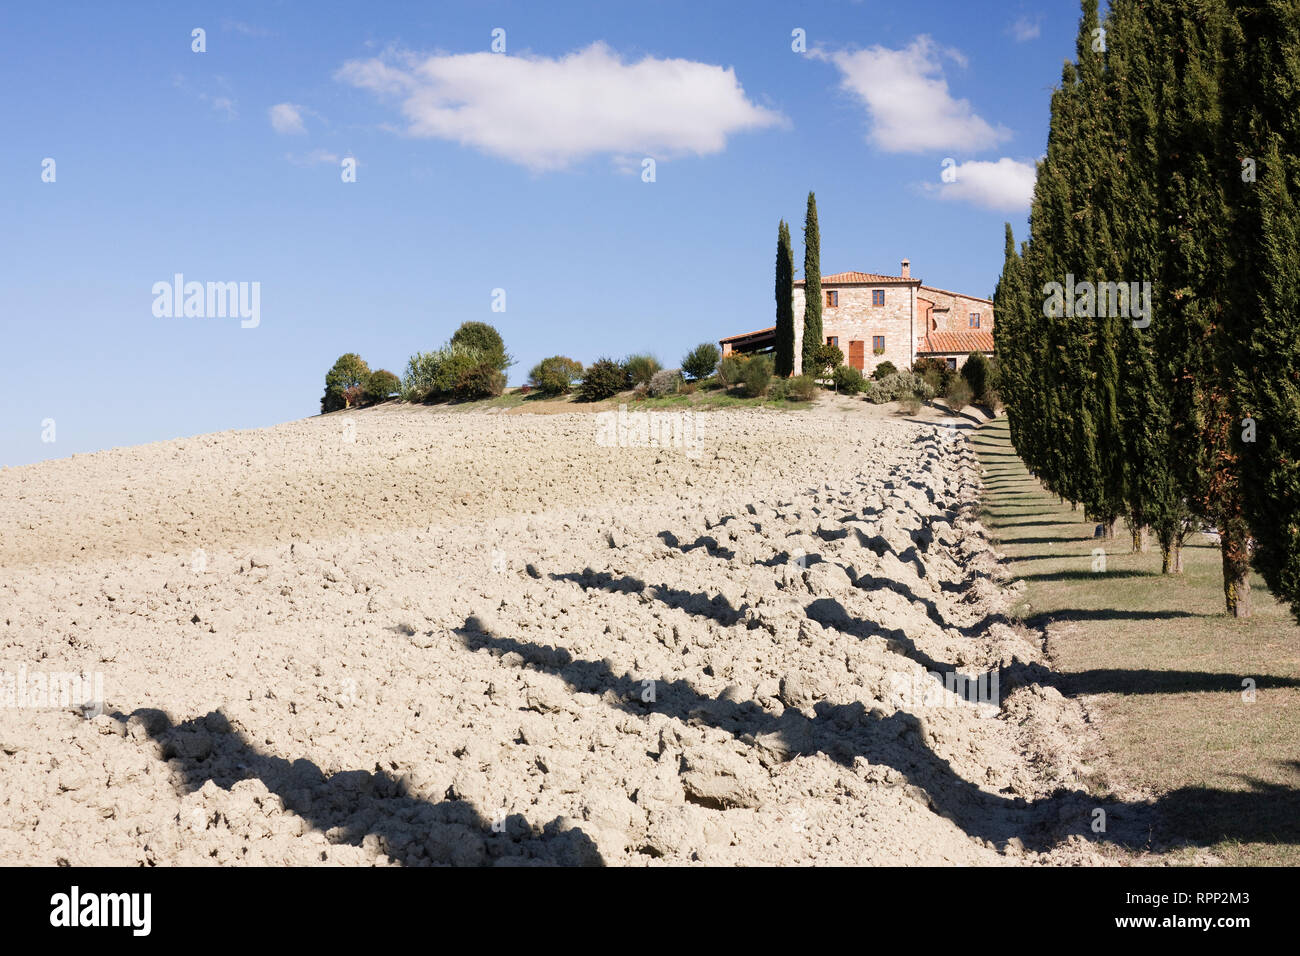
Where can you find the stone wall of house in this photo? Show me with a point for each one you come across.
(959, 307)
(856, 319)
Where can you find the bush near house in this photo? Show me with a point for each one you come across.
(665, 382)
(732, 369)
(825, 359)
(604, 379)
(976, 372)
(382, 385)
(848, 380)
(800, 388)
(936, 372)
(555, 375)
(701, 361)
(884, 369)
(959, 395)
(898, 386)
(344, 382)
(757, 375)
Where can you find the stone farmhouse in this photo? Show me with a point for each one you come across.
(874, 318)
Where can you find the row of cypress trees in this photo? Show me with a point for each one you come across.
(1172, 165)
(812, 270)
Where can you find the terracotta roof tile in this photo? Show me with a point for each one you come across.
(845, 278)
(958, 343)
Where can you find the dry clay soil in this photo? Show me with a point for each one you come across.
(414, 636)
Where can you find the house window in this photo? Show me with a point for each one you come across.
(877, 296)
(952, 363)
(878, 344)
(832, 340)
(832, 298)
(974, 320)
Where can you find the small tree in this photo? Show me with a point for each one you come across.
(757, 375)
(641, 368)
(347, 376)
(884, 368)
(825, 358)
(605, 378)
(486, 341)
(382, 385)
(555, 375)
(700, 362)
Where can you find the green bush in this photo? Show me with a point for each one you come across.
(479, 380)
(959, 395)
(664, 382)
(421, 373)
(555, 375)
(641, 368)
(883, 369)
(898, 386)
(825, 359)
(344, 381)
(604, 378)
(382, 385)
(701, 361)
(757, 375)
(731, 370)
(976, 374)
(909, 404)
(800, 388)
(485, 341)
(848, 380)
(937, 373)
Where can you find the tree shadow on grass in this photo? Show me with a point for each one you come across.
(350, 805)
(1145, 681)
(1086, 575)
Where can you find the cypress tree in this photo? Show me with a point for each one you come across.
(784, 358)
(812, 284)
(1263, 102)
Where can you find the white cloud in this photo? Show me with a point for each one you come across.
(907, 98)
(1024, 29)
(314, 158)
(1005, 185)
(547, 113)
(287, 118)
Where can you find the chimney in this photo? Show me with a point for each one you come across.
(907, 268)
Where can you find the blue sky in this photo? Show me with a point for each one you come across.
(475, 171)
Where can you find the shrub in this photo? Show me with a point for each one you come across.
(731, 370)
(959, 395)
(910, 404)
(689, 388)
(382, 385)
(800, 388)
(421, 373)
(883, 369)
(350, 371)
(641, 368)
(848, 380)
(976, 374)
(993, 399)
(479, 380)
(604, 378)
(825, 359)
(900, 385)
(455, 365)
(485, 341)
(664, 382)
(757, 375)
(700, 361)
(937, 373)
(555, 375)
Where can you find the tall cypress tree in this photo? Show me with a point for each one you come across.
(1010, 338)
(784, 359)
(812, 284)
(1263, 104)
